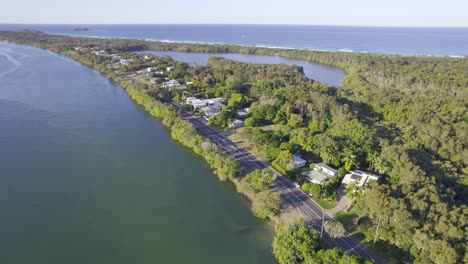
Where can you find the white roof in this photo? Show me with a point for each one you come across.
(297, 159)
(361, 177)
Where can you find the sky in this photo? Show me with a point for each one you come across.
(406, 13)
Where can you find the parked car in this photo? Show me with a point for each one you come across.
(297, 185)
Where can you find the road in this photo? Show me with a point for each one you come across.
(309, 209)
(312, 213)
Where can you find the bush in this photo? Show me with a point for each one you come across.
(266, 204)
(250, 122)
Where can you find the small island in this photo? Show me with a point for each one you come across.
(81, 29)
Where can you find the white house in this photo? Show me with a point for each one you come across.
(154, 80)
(198, 103)
(170, 68)
(171, 84)
(100, 53)
(116, 57)
(125, 62)
(320, 174)
(159, 73)
(361, 178)
(189, 83)
(236, 123)
(297, 162)
(189, 100)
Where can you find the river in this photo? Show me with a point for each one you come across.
(86, 176)
(316, 71)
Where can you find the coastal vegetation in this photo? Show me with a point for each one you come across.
(297, 243)
(398, 116)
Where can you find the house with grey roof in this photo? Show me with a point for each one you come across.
(320, 174)
(296, 162)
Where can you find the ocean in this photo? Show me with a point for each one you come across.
(383, 40)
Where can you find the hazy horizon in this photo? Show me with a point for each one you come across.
(398, 13)
(226, 24)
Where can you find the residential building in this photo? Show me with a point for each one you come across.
(236, 123)
(100, 53)
(199, 103)
(116, 57)
(297, 162)
(171, 68)
(361, 178)
(125, 62)
(320, 174)
(171, 84)
(242, 114)
(189, 100)
(210, 111)
(145, 71)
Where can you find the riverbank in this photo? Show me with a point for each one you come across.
(386, 119)
(103, 180)
(185, 133)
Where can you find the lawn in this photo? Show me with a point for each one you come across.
(347, 219)
(324, 204)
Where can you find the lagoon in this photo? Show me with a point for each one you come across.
(322, 73)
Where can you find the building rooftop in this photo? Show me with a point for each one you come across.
(317, 177)
(323, 165)
(361, 178)
(297, 159)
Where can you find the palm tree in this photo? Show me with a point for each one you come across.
(349, 159)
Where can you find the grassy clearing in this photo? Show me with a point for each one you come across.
(240, 139)
(273, 128)
(348, 219)
(324, 204)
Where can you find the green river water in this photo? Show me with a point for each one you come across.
(86, 176)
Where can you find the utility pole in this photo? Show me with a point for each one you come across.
(323, 220)
(377, 230)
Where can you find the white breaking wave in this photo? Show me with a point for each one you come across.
(16, 64)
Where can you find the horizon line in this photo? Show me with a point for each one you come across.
(229, 24)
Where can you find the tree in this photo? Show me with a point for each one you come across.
(266, 204)
(225, 167)
(295, 243)
(336, 255)
(237, 100)
(349, 159)
(222, 119)
(294, 120)
(260, 180)
(283, 160)
(352, 190)
(250, 122)
(334, 228)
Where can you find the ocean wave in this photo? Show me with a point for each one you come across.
(269, 46)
